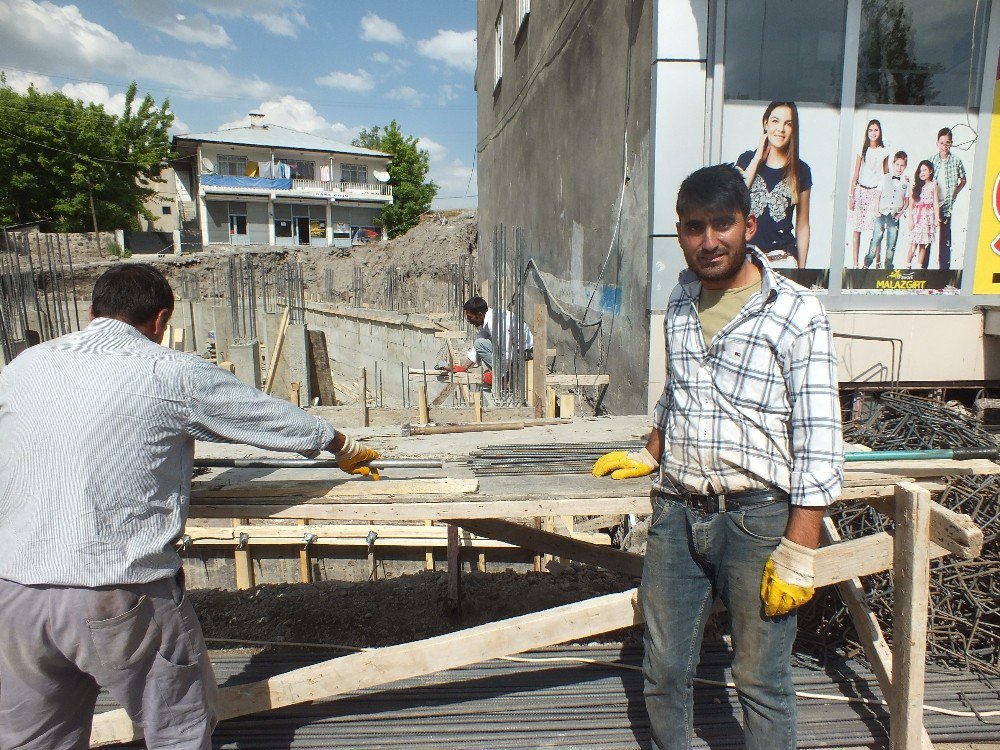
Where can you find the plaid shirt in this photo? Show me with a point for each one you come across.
(758, 408)
(948, 173)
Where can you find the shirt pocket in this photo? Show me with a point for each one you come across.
(748, 374)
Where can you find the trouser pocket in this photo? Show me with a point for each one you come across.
(128, 638)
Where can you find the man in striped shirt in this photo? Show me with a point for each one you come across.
(747, 454)
(97, 433)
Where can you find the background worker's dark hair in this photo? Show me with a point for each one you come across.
(945, 131)
(133, 292)
(719, 188)
(476, 305)
(900, 155)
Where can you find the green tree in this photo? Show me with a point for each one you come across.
(57, 153)
(411, 195)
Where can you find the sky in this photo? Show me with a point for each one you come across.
(329, 67)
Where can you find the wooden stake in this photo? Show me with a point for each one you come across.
(363, 396)
(539, 366)
(294, 392)
(477, 405)
(279, 342)
(423, 412)
(243, 561)
(567, 405)
(482, 562)
(305, 565)
(454, 570)
(429, 552)
(550, 403)
(911, 581)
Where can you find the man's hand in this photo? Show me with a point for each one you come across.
(622, 465)
(354, 458)
(788, 578)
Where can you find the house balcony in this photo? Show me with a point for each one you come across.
(291, 187)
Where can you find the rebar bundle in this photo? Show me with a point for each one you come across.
(563, 458)
(243, 298)
(964, 619)
(507, 303)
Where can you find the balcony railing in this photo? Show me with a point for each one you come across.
(331, 186)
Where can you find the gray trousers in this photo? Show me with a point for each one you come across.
(143, 643)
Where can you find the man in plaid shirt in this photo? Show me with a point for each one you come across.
(949, 172)
(748, 453)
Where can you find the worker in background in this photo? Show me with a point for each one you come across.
(97, 434)
(746, 454)
(479, 314)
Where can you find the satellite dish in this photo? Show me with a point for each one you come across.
(380, 175)
(207, 165)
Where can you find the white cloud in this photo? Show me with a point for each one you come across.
(179, 127)
(97, 93)
(21, 81)
(452, 176)
(407, 95)
(279, 17)
(396, 63)
(359, 81)
(162, 16)
(60, 36)
(435, 150)
(299, 115)
(377, 29)
(447, 92)
(454, 48)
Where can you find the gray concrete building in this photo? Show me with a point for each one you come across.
(592, 113)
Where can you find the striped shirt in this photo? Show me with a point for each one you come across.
(948, 172)
(97, 432)
(756, 408)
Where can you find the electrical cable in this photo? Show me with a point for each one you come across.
(632, 668)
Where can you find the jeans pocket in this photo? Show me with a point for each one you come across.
(123, 640)
(765, 523)
(660, 503)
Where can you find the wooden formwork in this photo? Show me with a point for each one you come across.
(923, 530)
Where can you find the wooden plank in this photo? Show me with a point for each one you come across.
(279, 343)
(477, 405)
(955, 532)
(422, 410)
(569, 380)
(243, 562)
(305, 565)
(917, 469)
(317, 489)
(429, 552)
(911, 581)
(550, 402)
(319, 368)
(860, 557)
(567, 405)
(381, 666)
(538, 364)
(556, 544)
(866, 626)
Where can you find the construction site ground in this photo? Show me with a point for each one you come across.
(580, 701)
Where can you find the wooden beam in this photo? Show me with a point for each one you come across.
(279, 342)
(539, 367)
(956, 532)
(429, 552)
(866, 626)
(477, 405)
(550, 402)
(941, 467)
(422, 410)
(381, 666)
(318, 489)
(243, 561)
(305, 564)
(911, 581)
(860, 557)
(556, 544)
(564, 380)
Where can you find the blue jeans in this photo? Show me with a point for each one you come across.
(884, 224)
(691, 558)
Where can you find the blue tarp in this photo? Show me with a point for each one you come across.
(259, 183)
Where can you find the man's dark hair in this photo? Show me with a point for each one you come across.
(945, 131)
(476, 305)
(717, 188)
(133, 292)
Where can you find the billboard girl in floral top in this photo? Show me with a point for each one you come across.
(924, 214)
(779, 185)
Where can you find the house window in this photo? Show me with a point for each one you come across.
(785, 50)
(523, 9)
(354, 173)
(914, 52)
(498, 51)
(302, 170)
(166, 210)
(231, 165)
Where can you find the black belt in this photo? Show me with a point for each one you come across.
(720, 503)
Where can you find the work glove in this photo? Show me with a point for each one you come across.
(459, 368)
(353, 458)
(622, 465)
(788, 578)
(488, 378)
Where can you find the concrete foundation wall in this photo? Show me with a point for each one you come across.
(379, 341)
(568, 121)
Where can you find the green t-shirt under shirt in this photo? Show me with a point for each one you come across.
(717, 307)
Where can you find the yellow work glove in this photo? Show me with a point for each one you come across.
(622, 465)
(788, 578)
(354, 458)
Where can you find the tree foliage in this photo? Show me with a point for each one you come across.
(411, 195)
(888, 69)
(56, 151)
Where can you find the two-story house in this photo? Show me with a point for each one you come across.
(266, 184)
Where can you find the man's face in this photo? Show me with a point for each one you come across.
(944, 145)
(476, 319)
(899, 165)
(715, 244)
